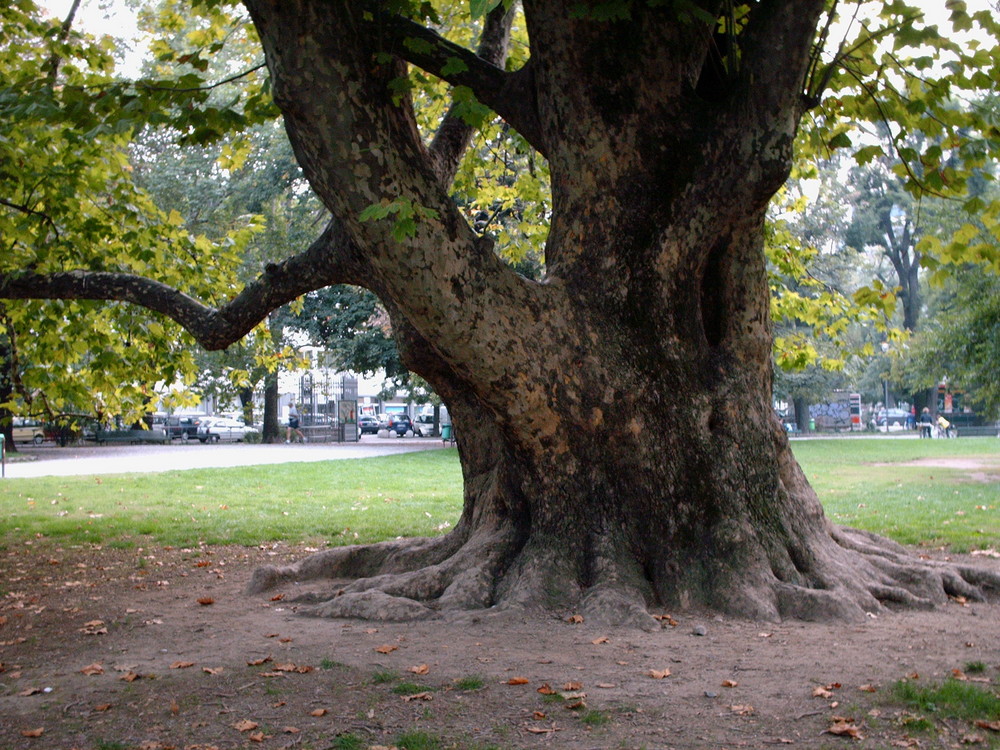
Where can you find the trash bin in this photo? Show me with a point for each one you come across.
(445, 432)
(812, 425)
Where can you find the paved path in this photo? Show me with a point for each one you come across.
(49, 460)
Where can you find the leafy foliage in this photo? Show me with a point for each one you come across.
(70, 201)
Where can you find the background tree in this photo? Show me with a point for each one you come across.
(619, 446)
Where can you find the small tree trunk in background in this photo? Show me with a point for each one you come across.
(271, 430)
(801, 414)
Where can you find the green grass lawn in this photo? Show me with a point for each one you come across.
(863, 482)
(868, 484)
(340, 502)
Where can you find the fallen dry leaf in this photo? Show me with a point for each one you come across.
(92, 669)
(418, 697)
(545, 689)
(729, 683)
(606, 685)
(30, 691)
(206, 600)
(386, 649)
(318, 712)
(518, 681)
(821, 692)
(291, 730)
(659, 674)
(277, 597)
(174, 707)
(599, 641)
(844, 728)
(666, 619)
(742, 710)
(94, 627)
(258, 662)
(182, 664)
(420, 669)
(958, 674)
(575, 619)
(212, 670)
(541, 730)
(245, 725)
(256, 736)
(538, 715)
(868, 688)
(993, 726)
(33, 732)
(103, 707)
(130, 676)
(202, 564)
(573, 686)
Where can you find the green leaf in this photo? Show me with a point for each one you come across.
(480, 8)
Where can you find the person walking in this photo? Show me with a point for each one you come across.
(925, 423)
(293, 425)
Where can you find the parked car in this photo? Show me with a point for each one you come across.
(424, 426)
(367, 424)
(28, 431)
(216, 429)
(183, 426)
(399, 423)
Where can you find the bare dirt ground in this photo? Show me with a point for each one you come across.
(107, 649)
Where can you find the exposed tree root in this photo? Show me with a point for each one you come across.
(864, 573)
(401, 580)
(853, 574)
(830, 573)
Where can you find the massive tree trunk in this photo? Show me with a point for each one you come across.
(617, 436)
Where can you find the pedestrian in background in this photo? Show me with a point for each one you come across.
(293, 425)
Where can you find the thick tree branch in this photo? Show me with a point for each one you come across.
(328, 260)
(454, 134)
(777, 44)
(510, 95)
